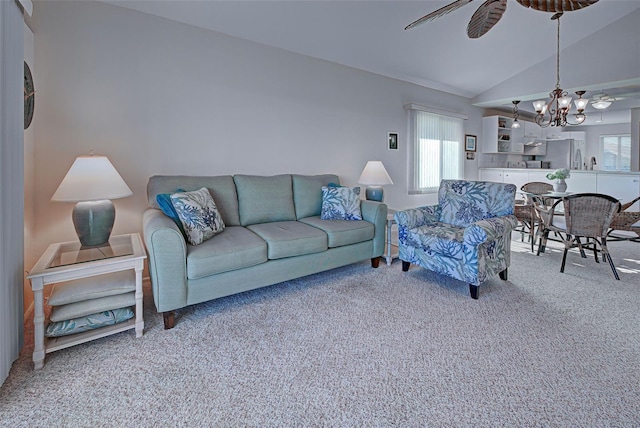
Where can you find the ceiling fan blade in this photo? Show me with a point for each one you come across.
(556, 5)
(438, 13)
(486, 17)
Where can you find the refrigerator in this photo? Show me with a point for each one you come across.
(567, 153)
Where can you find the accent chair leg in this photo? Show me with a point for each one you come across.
(375, 262)
(474, 290)
(405, 266)
(503, 275)
(169, 319)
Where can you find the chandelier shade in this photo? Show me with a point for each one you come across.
(555, 112)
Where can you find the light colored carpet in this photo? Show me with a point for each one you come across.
(365, 347)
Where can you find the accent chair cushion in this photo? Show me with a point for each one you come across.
(93, 287)
(340, 203)
(92, 306)
(438, 238)
(464, 202)
(90, 322)
(198, 214)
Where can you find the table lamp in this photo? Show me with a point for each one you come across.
(374, 176)
(91, 182)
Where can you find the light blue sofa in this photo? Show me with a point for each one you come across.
(467, 236)
(273, 234)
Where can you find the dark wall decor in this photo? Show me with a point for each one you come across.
(29, 96)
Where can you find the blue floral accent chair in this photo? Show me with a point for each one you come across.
(467, 236)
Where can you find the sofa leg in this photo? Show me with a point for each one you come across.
(474, 290)
(169, 319)
(375, 262)
(503, 275)
(405, 266)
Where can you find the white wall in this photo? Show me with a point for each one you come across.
(158, 97)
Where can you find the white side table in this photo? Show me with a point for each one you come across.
(392, 249)
(68, 261)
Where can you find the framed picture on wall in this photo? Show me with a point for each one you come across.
(392, 139)
(471, 155)
(470, 143)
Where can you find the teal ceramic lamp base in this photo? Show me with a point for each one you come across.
(93, 222)
(374, 193)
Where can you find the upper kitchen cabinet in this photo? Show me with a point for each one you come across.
(532, 132)
(497, 135)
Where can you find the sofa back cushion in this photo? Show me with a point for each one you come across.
(264, 199)
(307, 193)
(222, 189)
(464, 202)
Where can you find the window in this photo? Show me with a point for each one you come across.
(436, 152)
(615, 152)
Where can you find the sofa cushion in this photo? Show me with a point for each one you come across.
(342, 232)
(439, 238)
(92, 306)
(264, 199)
(340, 203)
(93, 287)
(290, 238)
(235, 248)
(307, 193)
(222, 189)
(198, 214)
(164, 202)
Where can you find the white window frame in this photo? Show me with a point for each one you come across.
(415, 181)
(618, 154)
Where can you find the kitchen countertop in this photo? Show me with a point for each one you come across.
(573, 171)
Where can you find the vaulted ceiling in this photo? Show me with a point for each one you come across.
(515, 59)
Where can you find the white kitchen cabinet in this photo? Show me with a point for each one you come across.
(539, 176)
(532, 132)
(496, 134)
(494, 175)
(519, 178)
(624, 187)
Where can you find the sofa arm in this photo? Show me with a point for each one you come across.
(167, 252)
(416, 217)
(489, 229)
(376, 213)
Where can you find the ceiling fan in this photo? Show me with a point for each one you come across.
(490, 12)
(602, 101)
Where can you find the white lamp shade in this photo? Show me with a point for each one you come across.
(91, 178)
(581, 103)
(539, 106)
(374, 174)
(601, 105)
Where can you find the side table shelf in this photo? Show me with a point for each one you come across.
(391, 248)
(69, 261)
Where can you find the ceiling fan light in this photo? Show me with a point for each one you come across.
(601, 105)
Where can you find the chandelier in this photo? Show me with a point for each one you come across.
(555, 112)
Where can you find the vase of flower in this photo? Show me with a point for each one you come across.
(560, 186)
(559, 175)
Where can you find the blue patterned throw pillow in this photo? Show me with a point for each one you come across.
(198, 214)
(340, 203)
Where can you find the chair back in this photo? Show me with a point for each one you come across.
(535, 188)
(464, 202)
(589, 214)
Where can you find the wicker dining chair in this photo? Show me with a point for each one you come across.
(625, 221)
(525, 212)
(586, 215)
